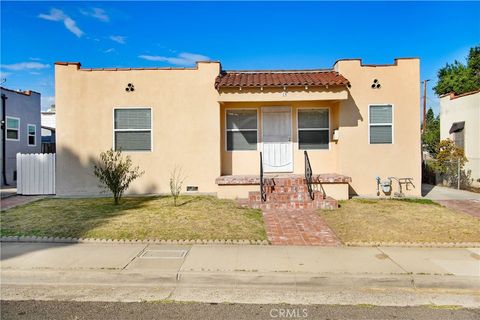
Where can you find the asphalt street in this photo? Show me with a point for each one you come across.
(52, 310)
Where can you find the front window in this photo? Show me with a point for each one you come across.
(13, 125)
(32, 132)
(459, 139)
(381, 124)
(241, 130)
(313, 129)
(133, 129)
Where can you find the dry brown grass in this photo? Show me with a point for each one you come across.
(401, 221)
(195, 217)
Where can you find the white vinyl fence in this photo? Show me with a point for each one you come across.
(35, 173)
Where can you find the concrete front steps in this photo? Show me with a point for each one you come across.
(289, 193)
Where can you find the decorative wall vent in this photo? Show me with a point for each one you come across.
(130, 87)
(376, 84)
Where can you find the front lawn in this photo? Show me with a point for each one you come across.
(362, 220)
(195, 217)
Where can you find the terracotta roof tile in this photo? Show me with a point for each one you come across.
(279, 79)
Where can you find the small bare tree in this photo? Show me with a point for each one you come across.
(176, 182)
(116, 173)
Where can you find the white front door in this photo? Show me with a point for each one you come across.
(277, 139)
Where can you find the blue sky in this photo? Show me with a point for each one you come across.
(247, 35)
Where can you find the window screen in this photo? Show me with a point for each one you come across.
(381, 124)
(313, 129)
(241, 130)
(132, 129)
(32, 131)
(13, 125)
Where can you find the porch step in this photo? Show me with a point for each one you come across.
(286, 189)
(285, 181)
(328, 203)
(254, 196)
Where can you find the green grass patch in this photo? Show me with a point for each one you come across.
(404, 220)
(194, 217)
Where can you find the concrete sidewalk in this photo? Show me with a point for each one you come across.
(240, 273)
(443, 193)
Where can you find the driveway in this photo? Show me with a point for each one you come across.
(460, 200)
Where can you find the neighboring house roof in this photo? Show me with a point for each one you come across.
(279, 78)
(25, 93)
(453, 95)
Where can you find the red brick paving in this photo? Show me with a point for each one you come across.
(298, 227)
(13, 201)
(471, 207)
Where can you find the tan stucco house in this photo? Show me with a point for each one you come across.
(357, 122)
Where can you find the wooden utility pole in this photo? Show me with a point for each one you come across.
(424, 105)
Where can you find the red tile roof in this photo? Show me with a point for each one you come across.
(279, 79)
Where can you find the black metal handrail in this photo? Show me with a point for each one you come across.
(263, 194)
(308, 175)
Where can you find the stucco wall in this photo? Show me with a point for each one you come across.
(26, 107)
(186, 125)
(466, 108)
(363, 161)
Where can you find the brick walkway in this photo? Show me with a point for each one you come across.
(471, 207)
(13, 201)
(298, 227)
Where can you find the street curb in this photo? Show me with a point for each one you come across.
(415, 244)
(45, 239)
(36, 239)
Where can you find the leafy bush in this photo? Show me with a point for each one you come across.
(449, 160)
(116, 173)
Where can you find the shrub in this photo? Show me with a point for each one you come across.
(116, 173)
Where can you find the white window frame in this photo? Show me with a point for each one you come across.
(34, 135)
(126, 130)
(7, 128)
(314, 129)
(382, 124)
(238, 130)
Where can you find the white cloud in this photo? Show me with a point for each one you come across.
(183, 59)
(59, 15)
(4, 74)
(47, 102)
(96, 13)
(118, 39)
(35, 59)
(24, 66)
(111, 50)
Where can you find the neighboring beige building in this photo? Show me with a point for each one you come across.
(460, 121)
(355, 121)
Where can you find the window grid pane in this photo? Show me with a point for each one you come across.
(31, 130)
(242, 119)
(241, 140)
(381, 114)
(313, 139)
(12, 123)
(313, 118)
(12, 134)
(132, 119)
(381, 134)
(133, 140)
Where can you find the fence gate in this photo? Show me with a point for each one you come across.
(35, 173)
